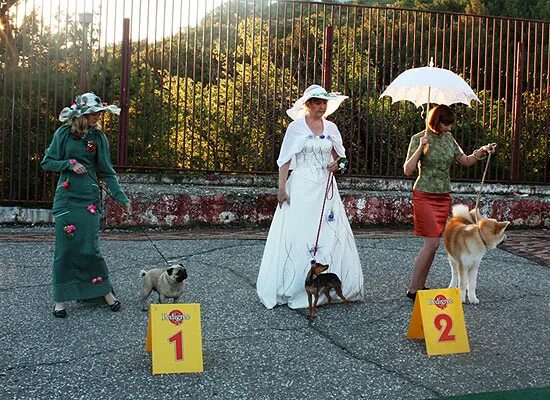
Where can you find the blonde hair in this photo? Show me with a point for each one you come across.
(79, 126)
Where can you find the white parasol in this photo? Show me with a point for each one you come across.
(430, 84)
(427, 85)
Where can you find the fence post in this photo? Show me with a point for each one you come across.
(516, 112)
(85, 19)
(327, 58)
(122, 156)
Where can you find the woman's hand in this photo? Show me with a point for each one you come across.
(282, 196)
(333, 166)
(423, 141)
(128, 208)
(79, 168)
(489, 148)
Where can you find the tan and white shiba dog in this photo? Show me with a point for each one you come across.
(466, 242)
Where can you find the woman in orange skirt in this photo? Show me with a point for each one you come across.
(433, 151)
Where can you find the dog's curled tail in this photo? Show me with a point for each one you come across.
(462, 211)
(143, 273)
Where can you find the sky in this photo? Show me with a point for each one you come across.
(151, 19)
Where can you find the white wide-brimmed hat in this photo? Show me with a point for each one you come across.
(298, 110)
(87, 103)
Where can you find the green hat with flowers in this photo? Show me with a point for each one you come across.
(87, 103)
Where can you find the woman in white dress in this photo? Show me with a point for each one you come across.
(311, 148)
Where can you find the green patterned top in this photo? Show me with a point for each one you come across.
(434, 167)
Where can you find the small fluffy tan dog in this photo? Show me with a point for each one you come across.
(466, 243)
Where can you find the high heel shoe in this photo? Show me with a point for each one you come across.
(116, 306)
(411, 295)
(59, 313)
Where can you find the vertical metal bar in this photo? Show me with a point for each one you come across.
(171, 151)
(186, 155)
(516, 130)
(194, 154)
(360, 168)
(499, 94)
(122, 156)
(377, 64)
(260, 151)
(177, 160)
(242, 128)
(530, 86)
(218, 159)
(205, 159)
(270, 123)
(327, 58)
(315, 40)
(210, 149)
(234, 164)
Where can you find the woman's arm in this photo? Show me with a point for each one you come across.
(282, 195)
(107, 172)
(477, 155)
(410, 164)
(54, 157)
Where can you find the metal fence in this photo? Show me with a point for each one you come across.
(209, 83)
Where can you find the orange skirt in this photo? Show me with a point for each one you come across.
(430, 213)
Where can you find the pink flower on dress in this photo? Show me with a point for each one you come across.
(91, 208)
(66, 184)
(97, 279)
(69, 231)
(72, 161)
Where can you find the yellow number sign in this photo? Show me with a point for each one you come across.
(174, 338)
(438, 316)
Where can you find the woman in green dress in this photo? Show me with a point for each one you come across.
(79, 152)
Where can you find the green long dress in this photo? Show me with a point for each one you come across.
(79, 270)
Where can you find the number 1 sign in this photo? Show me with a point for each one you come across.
(438, 316)
(174, 338)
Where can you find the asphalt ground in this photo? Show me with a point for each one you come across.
(359, 352)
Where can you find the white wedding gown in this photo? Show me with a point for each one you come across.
(287, 254)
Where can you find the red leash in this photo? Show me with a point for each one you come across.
(329, 186)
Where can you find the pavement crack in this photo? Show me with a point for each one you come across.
(344, 349)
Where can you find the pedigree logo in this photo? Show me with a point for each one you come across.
(176, 317)
(440, 301)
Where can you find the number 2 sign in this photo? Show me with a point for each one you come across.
(438, 316)
(174, 338)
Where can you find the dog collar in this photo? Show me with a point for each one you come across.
(483, 240)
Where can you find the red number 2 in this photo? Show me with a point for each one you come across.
(445, 336)
(177, 339)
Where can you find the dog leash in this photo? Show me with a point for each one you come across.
(131, 215)
(481, 186)
(329, 186)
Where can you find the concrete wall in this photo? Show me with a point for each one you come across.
(247, 200)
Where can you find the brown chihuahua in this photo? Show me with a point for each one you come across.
(317, 282)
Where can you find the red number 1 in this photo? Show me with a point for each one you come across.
(177, 339)
(445, 337)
